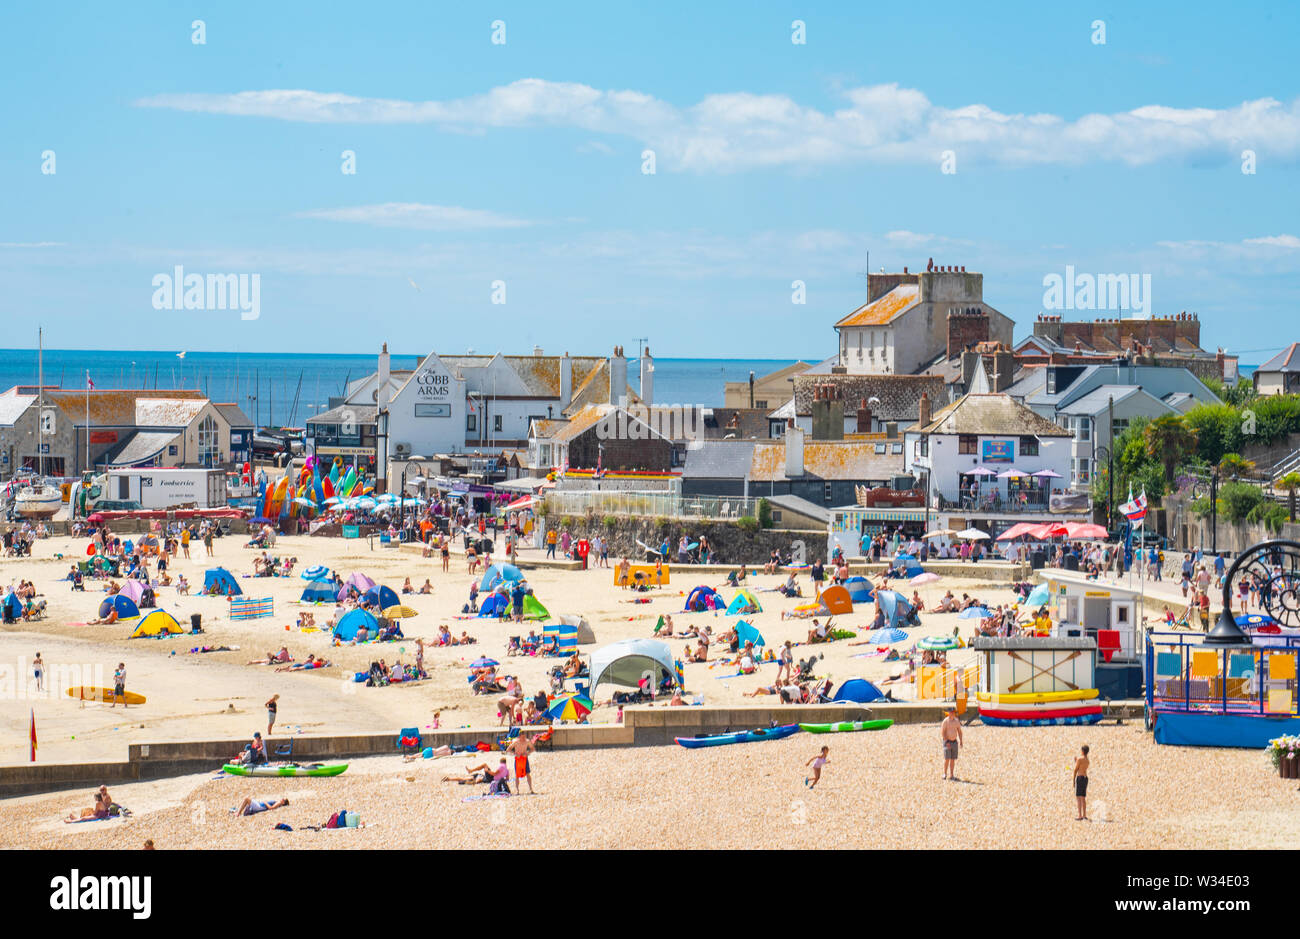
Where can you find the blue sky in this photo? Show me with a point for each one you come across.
(521, 162)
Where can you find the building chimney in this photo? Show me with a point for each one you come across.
(618, 377)
(864, 417)
(566, 381)
(793, 451)
(924, 416)
(381, 402)
(891, 430)
(827, 413)
(969, 359)
(647, 378)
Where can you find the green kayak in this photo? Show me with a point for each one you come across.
(845, 726)
(292, 769)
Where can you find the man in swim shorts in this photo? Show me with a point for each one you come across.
(1081, 784)
(520, 747)
(950, 734)
(253, 806)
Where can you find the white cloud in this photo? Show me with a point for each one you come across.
(32, 244)
(418, 215)
(1275, 241)
(735, 131)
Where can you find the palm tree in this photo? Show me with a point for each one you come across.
(1234, 464)
(1168, 439)
(1289, 484)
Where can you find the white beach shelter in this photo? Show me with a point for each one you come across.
(627, 661)
(585, 635)
(972, 534)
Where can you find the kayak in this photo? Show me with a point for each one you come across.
(104, 695)
(1040, 721)
(1046, 713)
(846, 726)
(740, 736)
(293, 769)
(1038, 697)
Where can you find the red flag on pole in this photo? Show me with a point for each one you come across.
(33, 735)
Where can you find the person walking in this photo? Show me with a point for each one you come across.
(1081, 764)
(552, 539)
(272, 707)
(38, 669)
(520, 748)
(817, 762)
(950, 734)
(119, 684)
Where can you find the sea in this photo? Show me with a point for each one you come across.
(285, 389)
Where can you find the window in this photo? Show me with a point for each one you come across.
(208, 446)
(545, 454)
(1120, 425)
(1081, 470)
(471, 422)
(1083, 428)
(967, 443)
(1029, 446)
(761, 404)
(880, 448)
(827, 493)
(896, 448)
(433, 410)
(496, 422)
(776, 516)
(1051, 381)
(925, 446)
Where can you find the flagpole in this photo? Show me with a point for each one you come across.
(88, 421)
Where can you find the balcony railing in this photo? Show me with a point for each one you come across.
(996, 502)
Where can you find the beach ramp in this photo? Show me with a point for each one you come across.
(858, 690)
(157, 624)
(835, 600)
(626, 662)
(124, 605)
(224, 581)
(345, 630)
(744, 602)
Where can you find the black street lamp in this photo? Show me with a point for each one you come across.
(402, 492)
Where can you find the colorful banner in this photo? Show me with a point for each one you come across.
(999, 451)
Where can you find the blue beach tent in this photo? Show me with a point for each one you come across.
(225, 581)
(351, 621)
(319, 591)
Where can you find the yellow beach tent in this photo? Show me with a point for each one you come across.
(155, 624)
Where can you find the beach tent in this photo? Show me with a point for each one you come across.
(1038, 596)
(859, 589)
(704, 598)
(225, 581)
(156, 624)
(745, 632)
(351, 621)
(318, 591)
(13, 607)
(836, 600)
(744, 602)
(896, 608)
(496, 604)
(133, 590)
(580, 625)
(533, 608)
(906, 565)
(124, 605)
(498, 574)
(626, 662)
(858, 690)
(381, 598)
(360, 581)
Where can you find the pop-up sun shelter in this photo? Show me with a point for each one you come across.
(745, 632)
(125, 607)
(226, 583)
(351, 621)
(581, 627)
(133, 590)
(13, 607)
(156, 624)
(494, 604)
(744, 602)
(897, 609)
(906, 565)
(533, 608)
(381, 598)
(319, 591)
(704, 598)
(859, 589)
(836, 600)
(499, 573)
(858, 690)
(628, 661)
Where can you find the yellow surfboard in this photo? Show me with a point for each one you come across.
(1037, 697)
(86, 693)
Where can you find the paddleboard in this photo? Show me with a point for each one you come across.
(1039, 722)
(1038, 697)
(846, 726)
(86, 693)
(742, 736)
(306, 769)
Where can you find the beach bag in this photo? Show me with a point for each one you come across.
(333, 822)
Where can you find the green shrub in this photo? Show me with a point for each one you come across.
(764, 513)
(747, 524)
(1237, 500)
(566, 521)
(611, 521)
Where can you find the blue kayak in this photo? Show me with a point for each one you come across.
(740, 736)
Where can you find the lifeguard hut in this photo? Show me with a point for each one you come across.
(1108, 614)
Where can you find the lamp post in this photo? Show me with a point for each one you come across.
(1214, 512)
(402, 492)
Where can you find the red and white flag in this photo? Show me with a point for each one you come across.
(1135, 510)
(90, 385)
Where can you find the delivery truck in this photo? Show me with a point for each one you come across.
(157, 488)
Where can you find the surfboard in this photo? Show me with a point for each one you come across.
(86, 693)
(1038, 697)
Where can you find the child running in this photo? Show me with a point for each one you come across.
(817, 763)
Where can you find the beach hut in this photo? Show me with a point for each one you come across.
(534, 610)
(583, 629)
(859, 589)
(225, 581)
(498, 574)
(353, 620)
(858, 690)
(628, 661)
(836, 600)
(496, 604)
(124, 605)
(744, 602)
(157, 624)
(704, 598)
(745, 632)
(381, 598)
(318, 591)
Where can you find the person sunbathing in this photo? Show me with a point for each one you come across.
(480, 774)
(106, 621)
(309, 663)
(274, 658)
(252, 806)
(465, 639)
(701, 653)
(98, 811)
(917, 603)
(666, 629)
(762, 689)
(427, 588)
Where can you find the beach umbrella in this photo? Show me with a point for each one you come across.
(305, 503)
(365, 503)
(484, 662)
(1012, 473)
(975, 612)
(570, 707)
(883, 637)
(981, 471)
(972, 534)
(1047, 474)
(938, 643)
(1255, 620)
(1038, 596)
(1084, 530)
(400, 611)
(940, 533)
(315, 572)
(928, 577)
(1016, 530)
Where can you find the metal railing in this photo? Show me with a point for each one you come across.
(653, 504)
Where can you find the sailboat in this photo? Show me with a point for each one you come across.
(40, 498)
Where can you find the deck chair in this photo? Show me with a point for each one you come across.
(404, 738)
(285, 749)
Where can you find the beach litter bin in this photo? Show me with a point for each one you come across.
(196, 622)
(1038, 560)
(1071, 562)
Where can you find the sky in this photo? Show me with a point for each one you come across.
(501, 197)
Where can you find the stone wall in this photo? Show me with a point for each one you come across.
(729, 541)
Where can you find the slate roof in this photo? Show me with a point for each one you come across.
(719, 459)
(991, 415)
(828, 459)
(1288, 360)
(900, 395)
